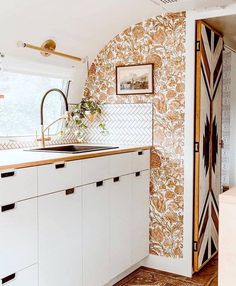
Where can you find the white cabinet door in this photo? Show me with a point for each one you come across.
(121, 164)
(96, 234)
(120, 224)
(141, 160)
(60, 244)
(26, 277)
(96, 169)
(17, 185)
(140, 215)
(18, 236)
(59, 176)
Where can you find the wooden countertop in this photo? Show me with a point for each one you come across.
(15, 159)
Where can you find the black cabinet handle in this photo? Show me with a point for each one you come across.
(137, 174)
(7, 174)
(116, 179)
(60, 166)
(8, 278)
(70, 191)
(140, 153)
(8, 207)
(99, 184)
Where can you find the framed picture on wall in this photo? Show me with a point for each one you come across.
(134, 79)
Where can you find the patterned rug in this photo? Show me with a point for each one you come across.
(150, 277)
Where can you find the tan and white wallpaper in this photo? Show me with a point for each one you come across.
(159, 40)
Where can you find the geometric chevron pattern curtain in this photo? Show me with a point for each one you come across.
(208, 105)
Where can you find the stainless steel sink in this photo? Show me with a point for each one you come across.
(72, 149)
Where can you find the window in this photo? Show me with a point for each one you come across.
(20, 108)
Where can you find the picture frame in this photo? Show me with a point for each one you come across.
(135, 79)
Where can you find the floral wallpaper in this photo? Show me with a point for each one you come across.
(159, 40)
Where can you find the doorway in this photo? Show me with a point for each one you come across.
(215, 129)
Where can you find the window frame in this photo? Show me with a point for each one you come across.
(30, 137)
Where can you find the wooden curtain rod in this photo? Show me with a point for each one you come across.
(47, 49)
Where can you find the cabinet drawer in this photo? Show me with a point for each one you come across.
(16, 185)
(18, 239)
(25, 277)
(59, 176)
(121, 164)
(95, 169)
(141, 160)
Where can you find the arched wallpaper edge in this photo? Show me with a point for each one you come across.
(159, 40)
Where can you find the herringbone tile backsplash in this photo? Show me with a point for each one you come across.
(126, 124)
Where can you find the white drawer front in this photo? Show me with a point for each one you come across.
(18, 239)
(25, 277)
(121, 164)
(96, 169)
(141, 160)
(16, 185)
(59, 176)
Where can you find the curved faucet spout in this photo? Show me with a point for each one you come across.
(41, 111)
(44, 97)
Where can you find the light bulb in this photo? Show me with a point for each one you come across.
(20, 44)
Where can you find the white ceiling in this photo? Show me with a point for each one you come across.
(80, 27)
(227, 27)
(200, 5)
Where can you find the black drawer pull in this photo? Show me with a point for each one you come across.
(137, 174)
(8, 207)
(70, 191)
(116, 179)
(7, 174)
(60, 166)
(140, 153)
(99, 184)
(8, 278)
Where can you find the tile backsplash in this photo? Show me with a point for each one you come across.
(126, 124)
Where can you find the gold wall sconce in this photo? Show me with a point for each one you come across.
(48, 48)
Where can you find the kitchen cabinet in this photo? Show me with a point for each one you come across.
(121, 164)
(74, 223)
(140, 160)
(120, 224)
(18, 238)
(140, 216)
(95, 169)
(59, 176)
(60, 238)
(96, 233)
(25, 277)
(16, 185)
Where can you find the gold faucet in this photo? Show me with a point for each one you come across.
(66, 116)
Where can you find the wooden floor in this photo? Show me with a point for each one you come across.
(146, 276)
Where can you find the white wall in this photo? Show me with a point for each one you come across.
(232, 160)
